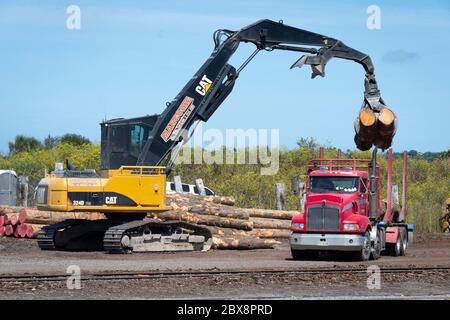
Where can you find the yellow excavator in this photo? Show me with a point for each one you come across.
(138, 153)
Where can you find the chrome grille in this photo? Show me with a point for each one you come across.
(321, 217)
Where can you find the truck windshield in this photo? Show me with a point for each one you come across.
(334, 184)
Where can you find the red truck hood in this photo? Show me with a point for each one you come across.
(331, 197)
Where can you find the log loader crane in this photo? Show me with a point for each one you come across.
(138, 153)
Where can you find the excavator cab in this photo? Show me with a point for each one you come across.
(122, 140)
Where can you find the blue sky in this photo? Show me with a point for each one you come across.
(130, 57)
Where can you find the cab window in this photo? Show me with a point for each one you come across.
(363, 188)
(138, 137)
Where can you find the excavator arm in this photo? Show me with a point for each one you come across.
(214, 81)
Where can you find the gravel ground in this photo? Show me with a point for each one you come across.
(22, 256)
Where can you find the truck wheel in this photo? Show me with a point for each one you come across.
(376, 252)
(394, 249)
(404, 244)
(364, 253)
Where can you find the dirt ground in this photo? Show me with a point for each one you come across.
(22, 256)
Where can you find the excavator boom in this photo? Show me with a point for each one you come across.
(214, 81)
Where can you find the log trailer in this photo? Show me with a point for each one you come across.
(138, 153)
(343, 211)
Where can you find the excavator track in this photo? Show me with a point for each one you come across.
(46, 236)
(74, 234)
(117, 237)
(156, 236)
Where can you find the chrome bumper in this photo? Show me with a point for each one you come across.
(319, 241)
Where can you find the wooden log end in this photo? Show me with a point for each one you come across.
(9, 230)
(386, 116)
(367, 117)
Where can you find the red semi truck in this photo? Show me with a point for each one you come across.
(343, 213)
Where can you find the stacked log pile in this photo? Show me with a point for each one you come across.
(26, 223)
(12, 223)
(445, 219)
(232, 227)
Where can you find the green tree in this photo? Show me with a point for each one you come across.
(74, 139)
(310, 143)
(23, 143)
(50, 142)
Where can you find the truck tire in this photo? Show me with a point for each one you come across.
(404, 243)
(376, 252)
(365, 252)
(394, 249)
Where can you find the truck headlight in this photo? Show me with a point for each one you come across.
(298, 225)
(351, 226)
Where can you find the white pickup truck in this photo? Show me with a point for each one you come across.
(187, 188)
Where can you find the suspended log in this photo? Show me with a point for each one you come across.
(271, 214)
(263, 223)
(387, 123)
(242, 243)
(204, 220)
(365, 129)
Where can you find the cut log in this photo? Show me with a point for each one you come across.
(3, 219)
(220, 211)
(9, 230)
(262, 223)
(271, 233)
(204, 220)
(35, 216)
(2, 231)
(33, 230)
(21, 230)
(271, 214)
(242, 243)
(365, 129)
(10, 209)
(190, 198)
(228, 201)
(22, 215)
(255, 233)
(12, 219)
(386, 128)
(16, 230)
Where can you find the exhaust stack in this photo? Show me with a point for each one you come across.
(373, 187)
